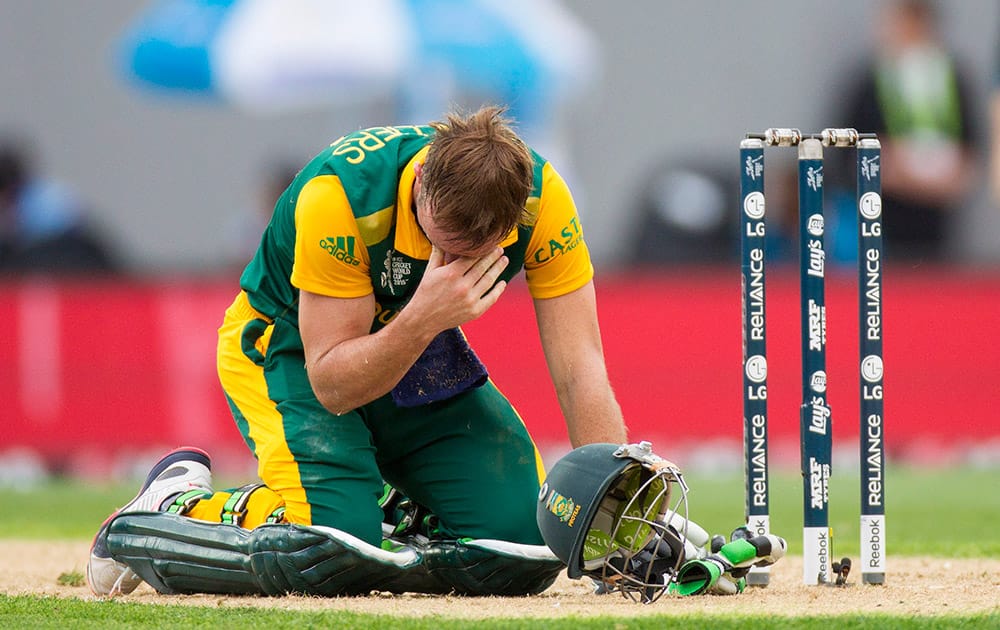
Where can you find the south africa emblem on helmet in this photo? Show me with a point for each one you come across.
(561, 506)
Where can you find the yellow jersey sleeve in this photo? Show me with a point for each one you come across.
(330, 257)
(557, 260)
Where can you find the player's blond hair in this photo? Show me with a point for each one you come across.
(477, 176)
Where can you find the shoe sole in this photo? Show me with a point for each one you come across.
(184, 453)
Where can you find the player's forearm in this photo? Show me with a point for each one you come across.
(359, 370)
(592, 413)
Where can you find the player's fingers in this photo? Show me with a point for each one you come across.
(462, 265)
(490, 276)
(484, 265)
(491, 297)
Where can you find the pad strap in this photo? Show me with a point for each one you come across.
(235, 508)
(183, 502)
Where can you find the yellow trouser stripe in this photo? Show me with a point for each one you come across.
(244, 383)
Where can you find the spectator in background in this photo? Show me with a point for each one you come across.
(917, 99)
(43, 225)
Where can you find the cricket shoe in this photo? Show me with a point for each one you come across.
(174, 484)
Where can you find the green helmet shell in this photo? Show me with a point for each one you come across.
(568, 500)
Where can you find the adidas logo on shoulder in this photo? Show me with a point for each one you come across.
(341, 248)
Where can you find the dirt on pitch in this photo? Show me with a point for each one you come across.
(915, 586)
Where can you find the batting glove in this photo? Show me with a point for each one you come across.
(709, 574)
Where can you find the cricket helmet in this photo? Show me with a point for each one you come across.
(617, 514)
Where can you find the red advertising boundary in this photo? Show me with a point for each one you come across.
(98, 368)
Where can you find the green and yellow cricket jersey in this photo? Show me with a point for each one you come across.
(345, 228)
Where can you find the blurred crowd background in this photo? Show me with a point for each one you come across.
(144, 142)
(152, 137)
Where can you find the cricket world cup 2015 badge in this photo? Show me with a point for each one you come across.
(386, 274)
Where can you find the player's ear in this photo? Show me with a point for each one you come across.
(418, 179)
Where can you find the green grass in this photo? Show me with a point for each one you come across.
(942, 512)
(946, 512)
(45, 612)
(60, 509)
